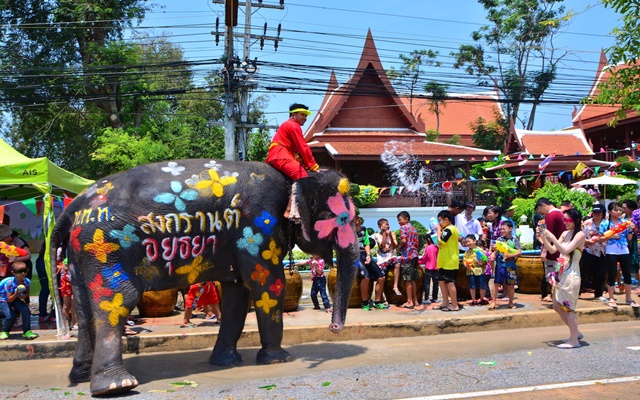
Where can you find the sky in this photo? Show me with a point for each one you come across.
(324, 35)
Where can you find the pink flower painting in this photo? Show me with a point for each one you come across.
(340, 224)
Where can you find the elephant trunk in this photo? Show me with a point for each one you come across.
(344, 284)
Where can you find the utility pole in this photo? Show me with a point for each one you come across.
(237, 133)
(230, 20)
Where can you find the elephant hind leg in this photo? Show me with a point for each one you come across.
(235, 303)
(83, 357)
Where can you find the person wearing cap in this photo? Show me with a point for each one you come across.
(467, 225)
(8, 236)
(554, 222)
(508, 210)
(593, 267)
(289, 153)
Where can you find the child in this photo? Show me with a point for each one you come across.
(68, 308)
(14, 292)
(506, 273)
(448, 261)
(488, 272)
(408, 248)
(204, 295)
(318, 281)
(387, 243)
(476, 262)
(429, 259)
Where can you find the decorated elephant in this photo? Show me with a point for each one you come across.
(169, 225)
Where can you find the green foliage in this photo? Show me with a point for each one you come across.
(490, 135)
(258, 145)
(431, 135)
(455, 139)
(437, 99)
(501, 190)
(557, 193)
(409, 74)
(366, 195)
(623, 89)
(521, 33)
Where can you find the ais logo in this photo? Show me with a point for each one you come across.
(30, 172)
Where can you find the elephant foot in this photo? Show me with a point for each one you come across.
(273, 356)
(111, 384)
(80, 374)
(225, 358)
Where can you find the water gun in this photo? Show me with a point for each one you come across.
(480, 255)
(504, 248)
(10, 250)
(621, 227)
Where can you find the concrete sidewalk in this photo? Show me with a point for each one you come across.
(308, 325)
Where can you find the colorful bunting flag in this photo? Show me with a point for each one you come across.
(546, 162)
(579, 169)
(519, 156)
(31, 205)
(393, 190)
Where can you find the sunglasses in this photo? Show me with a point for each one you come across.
(19, 271)
(567, 220)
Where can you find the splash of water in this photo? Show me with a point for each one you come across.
(405, 168)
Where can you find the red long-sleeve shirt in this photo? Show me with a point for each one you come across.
(288, 143)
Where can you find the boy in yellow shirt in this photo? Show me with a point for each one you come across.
(448, 261)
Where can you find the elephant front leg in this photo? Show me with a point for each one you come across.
(268, 295)
(108, 374)
(235, 304)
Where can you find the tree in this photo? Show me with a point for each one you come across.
(490, 135)
(411, 70)
(437, 99)
(623, 89)
(520, 33)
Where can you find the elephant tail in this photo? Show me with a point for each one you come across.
(59, 236)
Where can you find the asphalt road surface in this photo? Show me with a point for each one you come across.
(496, 364)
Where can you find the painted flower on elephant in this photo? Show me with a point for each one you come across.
(260, 274)
(115, 276)
(266, 303)
(177, 196)
(99, 248)
(277, 287)
(194, 269)
(212, 184)
(74, 240)
(272, 253)
(265, 222)
(212, 165)
(105, 189)
(341, 223)
(250, 241)
(126, 236)
(276, 317)
(115, 309)
(173, 168)
(98, 290)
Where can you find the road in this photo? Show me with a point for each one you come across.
(393, 368)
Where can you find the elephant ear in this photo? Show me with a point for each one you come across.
(311, 195)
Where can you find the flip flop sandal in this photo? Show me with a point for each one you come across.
(632, 303)
(189, 325)
(397, 292)
(491, 308)
(439, 308)
(612, 304)
(408, 307)
(450, 310)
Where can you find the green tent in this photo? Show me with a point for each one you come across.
(23, 178)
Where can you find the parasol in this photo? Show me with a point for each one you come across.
(606, 180)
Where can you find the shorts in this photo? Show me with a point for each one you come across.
(372, 270)
(478, 282)
(447, 275)
(506, 275)
(409, 270)
(208, 296)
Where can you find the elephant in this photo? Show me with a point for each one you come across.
(172, 224)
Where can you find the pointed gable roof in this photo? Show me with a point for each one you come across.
(368, 71)
(590, 116)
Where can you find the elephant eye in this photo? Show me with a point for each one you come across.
(342, 219)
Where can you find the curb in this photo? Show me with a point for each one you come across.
(150, 343)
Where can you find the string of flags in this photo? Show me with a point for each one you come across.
(35, 204)
(579, 170)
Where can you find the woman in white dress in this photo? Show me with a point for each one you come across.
(566, 281)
